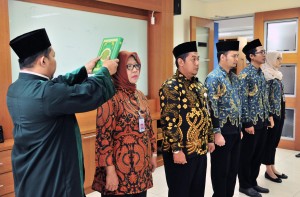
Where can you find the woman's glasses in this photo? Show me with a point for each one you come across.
(131, 66)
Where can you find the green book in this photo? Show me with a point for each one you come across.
(109, 47)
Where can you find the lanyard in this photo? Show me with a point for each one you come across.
(142, 126)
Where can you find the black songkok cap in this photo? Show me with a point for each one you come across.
(185, 47)
(30, 43)
(228, 46)
(251, 45)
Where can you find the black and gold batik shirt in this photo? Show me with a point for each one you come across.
(185, 120)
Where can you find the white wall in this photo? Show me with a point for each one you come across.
(182, 22)
(76, 35)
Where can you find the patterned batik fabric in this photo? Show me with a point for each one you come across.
(120, 143)
(276, 95)
(223, 96)
(185, 119)
(254, 95)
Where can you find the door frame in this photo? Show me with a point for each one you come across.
(291, 102)
(203, 22)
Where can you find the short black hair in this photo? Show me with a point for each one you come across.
(183, 57)
(248, 53)
(220, 53)
(28, 62)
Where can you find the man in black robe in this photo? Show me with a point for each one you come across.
(47, 155)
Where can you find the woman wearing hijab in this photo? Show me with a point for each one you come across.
(125, 142)
(277, 110)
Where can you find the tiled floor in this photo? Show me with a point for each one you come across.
(285, 162)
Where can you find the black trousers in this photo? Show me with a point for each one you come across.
(273, 138)
(252, 149)
(225, 165)
(143, 194)
(185, 180)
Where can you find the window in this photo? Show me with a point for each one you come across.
(289, 79)
(288, 131)
(281, 35)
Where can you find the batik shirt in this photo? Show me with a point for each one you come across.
(120, 142)
(224, 101)
(276, 96)
(254, 96)
(185, 118)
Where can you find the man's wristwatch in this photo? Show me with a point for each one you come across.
(175, 152)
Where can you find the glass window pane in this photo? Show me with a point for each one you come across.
(289, 78)
(289, 124)
(282, 35)
(202, 47)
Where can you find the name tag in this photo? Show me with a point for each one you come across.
(141, 124)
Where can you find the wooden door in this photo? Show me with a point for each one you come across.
(289, 57)
(202, 31)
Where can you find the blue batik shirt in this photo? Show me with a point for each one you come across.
(254, 96)
(224, 101)
(276, 96)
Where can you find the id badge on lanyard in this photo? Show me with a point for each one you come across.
(141, 124)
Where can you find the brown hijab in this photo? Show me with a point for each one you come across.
(120, 78)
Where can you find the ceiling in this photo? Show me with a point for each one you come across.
(236, 27)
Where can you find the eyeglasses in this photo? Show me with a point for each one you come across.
(262, 52)
(131, 66)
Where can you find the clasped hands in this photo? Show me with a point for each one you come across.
(179, 157)
(251, 130)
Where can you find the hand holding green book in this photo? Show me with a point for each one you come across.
(109, 48)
